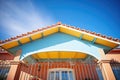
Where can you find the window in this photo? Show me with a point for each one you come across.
(61, 74)
(4, 69)
(116, 70)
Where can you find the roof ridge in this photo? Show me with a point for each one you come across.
(54, 25)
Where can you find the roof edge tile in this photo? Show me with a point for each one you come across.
(54, 25)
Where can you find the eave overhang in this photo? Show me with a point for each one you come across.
(43, 32)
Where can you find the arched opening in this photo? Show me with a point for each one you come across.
(59, 56)
(62, 65)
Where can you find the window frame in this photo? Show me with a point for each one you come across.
(60, 72)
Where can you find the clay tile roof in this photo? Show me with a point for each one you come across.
(78, 28)
(28, 33)
(59, 23)
(109, 37)
(48, 26)
(93, 33)
(0, 41)
(54, 25)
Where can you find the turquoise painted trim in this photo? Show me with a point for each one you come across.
(59, 42)
(19, 42)
(93, 41)
(81, 36)
(30, 39)
(58, 29)
(42, 34)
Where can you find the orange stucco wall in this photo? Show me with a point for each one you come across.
(112, 55)
(6, 56)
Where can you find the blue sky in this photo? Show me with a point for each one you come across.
(20, 16)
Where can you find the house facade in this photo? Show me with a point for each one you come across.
(60, 52)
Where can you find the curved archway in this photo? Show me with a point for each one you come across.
(59, 55)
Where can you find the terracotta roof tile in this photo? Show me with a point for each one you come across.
(109, 37)
(29, 33)
(78, 28)
(94, 33)
(48, 26)
(0, 41)
(59, 23)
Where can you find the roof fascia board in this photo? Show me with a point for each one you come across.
(90, 34)
(29, 35)
(59, 26)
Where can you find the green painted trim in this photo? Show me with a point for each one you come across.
(93, 41)
(42, 34)
(81, 36)
(60, 60)
(58, 29)
(30, 39)
(19, 42)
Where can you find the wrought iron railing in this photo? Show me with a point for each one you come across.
(40, 70)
